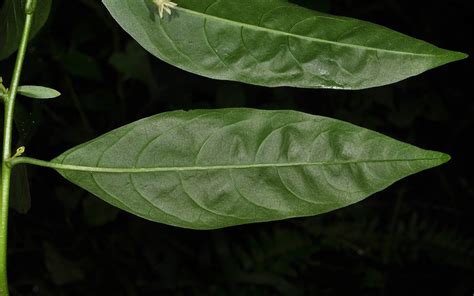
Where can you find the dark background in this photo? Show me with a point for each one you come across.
(414, 237)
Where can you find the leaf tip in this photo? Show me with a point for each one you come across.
(439, 158)
(454, 56)
(460, 55)
(444, 158)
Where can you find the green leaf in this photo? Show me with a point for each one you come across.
(12, 21)
(207, 169)
(38, 92)
(276, 43)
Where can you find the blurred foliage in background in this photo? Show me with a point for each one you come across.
(414, 237)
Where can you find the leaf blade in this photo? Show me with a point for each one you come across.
(38, 92)
(275, 43)
(208, 169)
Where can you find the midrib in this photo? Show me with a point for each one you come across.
(72, 167)
(312, 39)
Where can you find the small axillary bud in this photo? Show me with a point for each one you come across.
(19, 152)
(30, 6)
(3, 91)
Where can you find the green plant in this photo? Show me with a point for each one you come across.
(207, 169)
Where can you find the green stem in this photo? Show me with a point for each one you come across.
(9, 101)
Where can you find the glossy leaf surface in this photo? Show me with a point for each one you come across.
(38, 92)
(208, 169)
(275, 43)
(12, 21)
